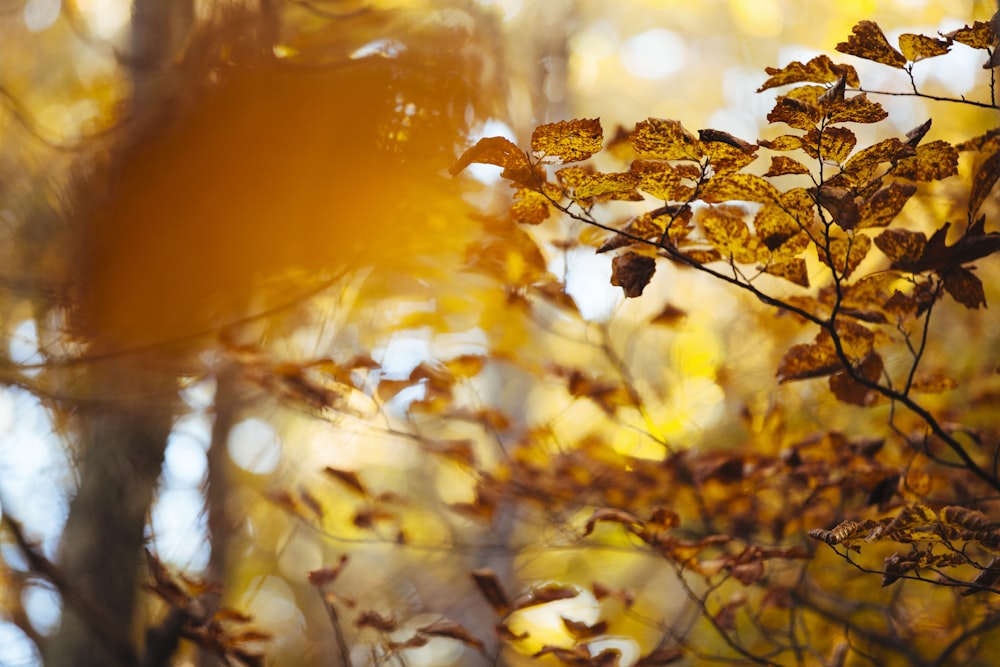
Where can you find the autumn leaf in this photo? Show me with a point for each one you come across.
(856, 109)
(670, 316)
(493, 150)
(489, 585)
(965, 287)
(796, 113)
(739, 187)
(932, 162)
(845, 254)
(785, 142)
(620, 186)
(661, 139)
(933, 383)
(868, 41)
(841, 205)
(902, 246)
(327, 575)
(982, 183)
(530, 207)
(919, 47)
(794, 270)
(632, 272)
(451, 630)
(849, 390)
(979, 36)
(808, 360)
(862, 165)
(727, 231)
(818, 70)
(567, 141)
(782, 165)
(660, 180)
(881, 208)
(347, 477)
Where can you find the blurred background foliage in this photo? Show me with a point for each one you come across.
(374, 363)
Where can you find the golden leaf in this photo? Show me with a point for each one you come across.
(632, 272)
(857, 109)
(986, 177)
(797, 113)
(868, 41)
(818, 70)
(739, 187)
(918, 47)
(529, 207)
(660, 180)
(979, 36)
(882, 207)
(809, 360)
(862, 164)
(902, 246)
(727, 232)
(786, 142)
(782, 165)
(661, 139)
(567, 141)
(933, 383)
(845, 254)
(492, 150)
(932, 161)
(619, 186)
(834, 144)
(793, 270)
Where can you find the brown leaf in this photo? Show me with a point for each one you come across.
(848, 390)
(793, 270)
(581, 630)
(857, 109)
(327, 575)
(808, 360)
(845, 254)
(451, 630)
(547, 593)
(840, 204)
(914, 136)
(979, 36)
(932, 162)
(794, 112)
(489, 585)
(818, 70)
(982, 183)
(986, 578)
(670, 316)
(881, 208)
(902, 246)
(965, 287)
(868, 41)
(614, 516)
(632, 272)
(718, 136)
(662, 139)
(568, 141)
(375, 620)
(347, 477)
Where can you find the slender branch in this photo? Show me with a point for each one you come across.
(926, 96)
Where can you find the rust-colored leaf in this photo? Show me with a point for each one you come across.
(580, 630)
(919, 47)
(613, 516)
(567, 141)
(348, 478)
(809, 360)
(848, 390)
(965, 287)
(720, 137)
(451, 630)
(818, 70)
(841, 205)
(489, 585)
(326, 575)
(868, 41)
(632, 272)
(662, 139)
(782, 165)
(914, 136)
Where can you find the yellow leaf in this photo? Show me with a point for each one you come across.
(856, 109)
(902, 246)
(845, 254)
(740, 187)
(567, 141)
(933, 383)
(661, 139)
(818, 70)
(793, 270)
(918, 47)
(529, 207)
(782, 165)
(660, 180)
(882, 207)
(933, 161)
(492, 150)
(727, 231)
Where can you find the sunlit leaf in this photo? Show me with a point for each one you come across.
(727, 231)
(880, 209)
(902, 246)
(933, 383)
(979, 36)
(868, 41)
(739, 187)
(818, 70)
(794, 270)
(785, 142)
(662, 139)
(796, 113)
(567, 141)
(857, 109)
(492, 150)
(808, 360)
(861, 166)
(933, 161)
(632, 272)
(845, 254)
(530, 207)
(918, 47)
(661, 180)
(619, 186)
(782, 165)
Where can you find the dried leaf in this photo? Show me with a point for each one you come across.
(782, 165)
(979, 36)
(376, 621)
(808, 360)
(580, 630)
(727, 231)
(965, 287)
(612, 515)
(661, 139)
(857, 109)
(841, 205)
(845, 254)
(794, 270)
(670, 316)
(982, 183)
(785, 142)
(881, 208)
(489, 585)
(918, 47)
(718, 136)
(868, 41)
(902, 246)
(861, 167)
(632, 272)
(493, 150)
(529, 207)
(914, 136)
(932, 162)
(660, 180)
(933, 383)
(818, 70)
(848, 390)
(739, 187)
(547, 593)
(620, 186)
(796, 113)
(567, 141)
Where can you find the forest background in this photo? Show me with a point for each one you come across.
(399, 426)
